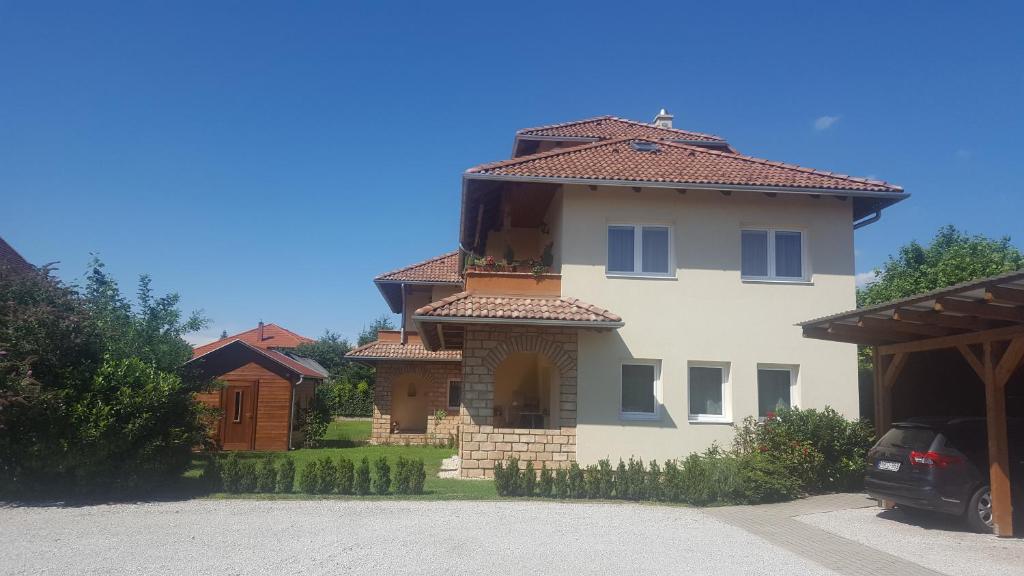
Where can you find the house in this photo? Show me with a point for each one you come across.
(622, 289)
(265, 386)
(11, 262)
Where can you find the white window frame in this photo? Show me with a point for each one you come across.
(805, 261)
(657, 390)
(462, 392)
(638, 251)
(794, 383)
(726, 416)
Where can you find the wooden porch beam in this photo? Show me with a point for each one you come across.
(1006, 333)
(887, 324)
(998, 445)
(1004, 294)
(933, 317)
(868, 335)
(819, 333)
(1010, 361)
(893, 369)
(980, 309)
(973, 360)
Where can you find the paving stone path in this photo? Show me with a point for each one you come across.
(776, 524)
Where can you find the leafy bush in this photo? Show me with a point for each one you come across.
(592, 480)
(528, 480)
(361, 485)
(309, 478)
(635, 488)
(231, 474)
(577, 484)
(653, 483)
(403, 475)
(605, 479)
(546, 484)
(708, 477)
(561, 483)
(765, 479)
(621, 479)
(248, 476)
(507, 477)
(346, 475)
(328, 476)
(211, 475)
(419, 476)
(382, 477)
(266, 480)
(286, 476)
(314, 420)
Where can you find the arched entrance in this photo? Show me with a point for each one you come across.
(409, 404)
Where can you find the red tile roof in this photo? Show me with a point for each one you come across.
(608, 127)
(673, 163)
(397, 351)
(274, 336)
(527, 308)
(442, 269)
(9, 258)
(290, 363)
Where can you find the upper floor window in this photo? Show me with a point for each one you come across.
(772, 255)
(640, 250)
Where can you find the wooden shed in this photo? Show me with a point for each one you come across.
(951, 352)
(262, 394)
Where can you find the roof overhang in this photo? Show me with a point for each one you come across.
(237, 353)
(448, 332)
(391, 290)
(520, 138)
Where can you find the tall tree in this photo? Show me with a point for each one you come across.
(369, 333)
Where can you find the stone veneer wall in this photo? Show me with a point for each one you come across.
(481, 445)
(433, 380)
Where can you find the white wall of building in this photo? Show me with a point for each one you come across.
(704, 313)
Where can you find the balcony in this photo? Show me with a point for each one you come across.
(487, 282)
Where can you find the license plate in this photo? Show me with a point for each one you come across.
(888, 465)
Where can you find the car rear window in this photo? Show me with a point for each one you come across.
(911, 438)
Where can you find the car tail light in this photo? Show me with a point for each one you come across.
(933, 460)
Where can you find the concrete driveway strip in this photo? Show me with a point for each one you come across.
(372, 537)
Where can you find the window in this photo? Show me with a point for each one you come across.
(775, 388)
(640, 390)
(454, 394)
(708, 392)
(640, 250)
(772, 255)
(238, 407)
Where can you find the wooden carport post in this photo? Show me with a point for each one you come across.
(997, 371)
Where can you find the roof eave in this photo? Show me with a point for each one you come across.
(609, 324)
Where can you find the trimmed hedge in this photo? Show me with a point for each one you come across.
(321, 476)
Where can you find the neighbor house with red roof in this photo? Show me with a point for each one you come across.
(265, 386)
(622, 289)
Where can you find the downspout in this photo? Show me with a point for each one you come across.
(869, 220)
(291, 421)
(403, 314)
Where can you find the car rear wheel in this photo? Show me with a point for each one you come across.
(979, 511)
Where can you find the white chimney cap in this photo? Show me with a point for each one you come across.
(663, 119)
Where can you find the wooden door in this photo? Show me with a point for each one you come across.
(239, 415)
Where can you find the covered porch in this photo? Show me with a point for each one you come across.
(955, 352)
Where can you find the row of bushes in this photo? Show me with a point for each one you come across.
(323, 476)
(792, 452)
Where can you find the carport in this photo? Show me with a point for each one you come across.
(951, 352)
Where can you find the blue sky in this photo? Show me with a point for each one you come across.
(267, 159)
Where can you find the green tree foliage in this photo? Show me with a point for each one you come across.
(329, 351)
(952, 257)
(89, 395)
(361, 484)
(369, 333)
(286, 476)
(349, 389)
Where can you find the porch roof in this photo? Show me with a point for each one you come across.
(378, 350)
(441, 323)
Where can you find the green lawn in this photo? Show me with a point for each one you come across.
(348, 438)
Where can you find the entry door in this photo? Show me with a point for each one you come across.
(239, 415)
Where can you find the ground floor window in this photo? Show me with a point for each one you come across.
(775, 386)
(640, 389)
(708, 392)
(454, 394)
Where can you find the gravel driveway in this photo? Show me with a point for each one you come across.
(346, 537)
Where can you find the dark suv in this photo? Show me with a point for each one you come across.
(942, 465)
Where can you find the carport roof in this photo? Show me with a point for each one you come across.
(996, 302)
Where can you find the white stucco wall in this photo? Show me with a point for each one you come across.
(705, 313)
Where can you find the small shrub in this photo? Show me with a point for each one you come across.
(547, 481)
(765, 479)
(605, 479)
(309, 478)
(403, 475)
(621, 481)
(635, 476)
(653, 483)
(709, 477)
(267, 477)
(528, 480)
(507, 478)
(231, 474)
(248, 476)
(328, 476)
(418, 476)
(672, 483)
(382, 479)
(561, 483)
(577, 485)
(286, 476)
(361, 484)
(592, 480)
(346, 475)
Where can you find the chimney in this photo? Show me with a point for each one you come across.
(260, 335)
(663, 119)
